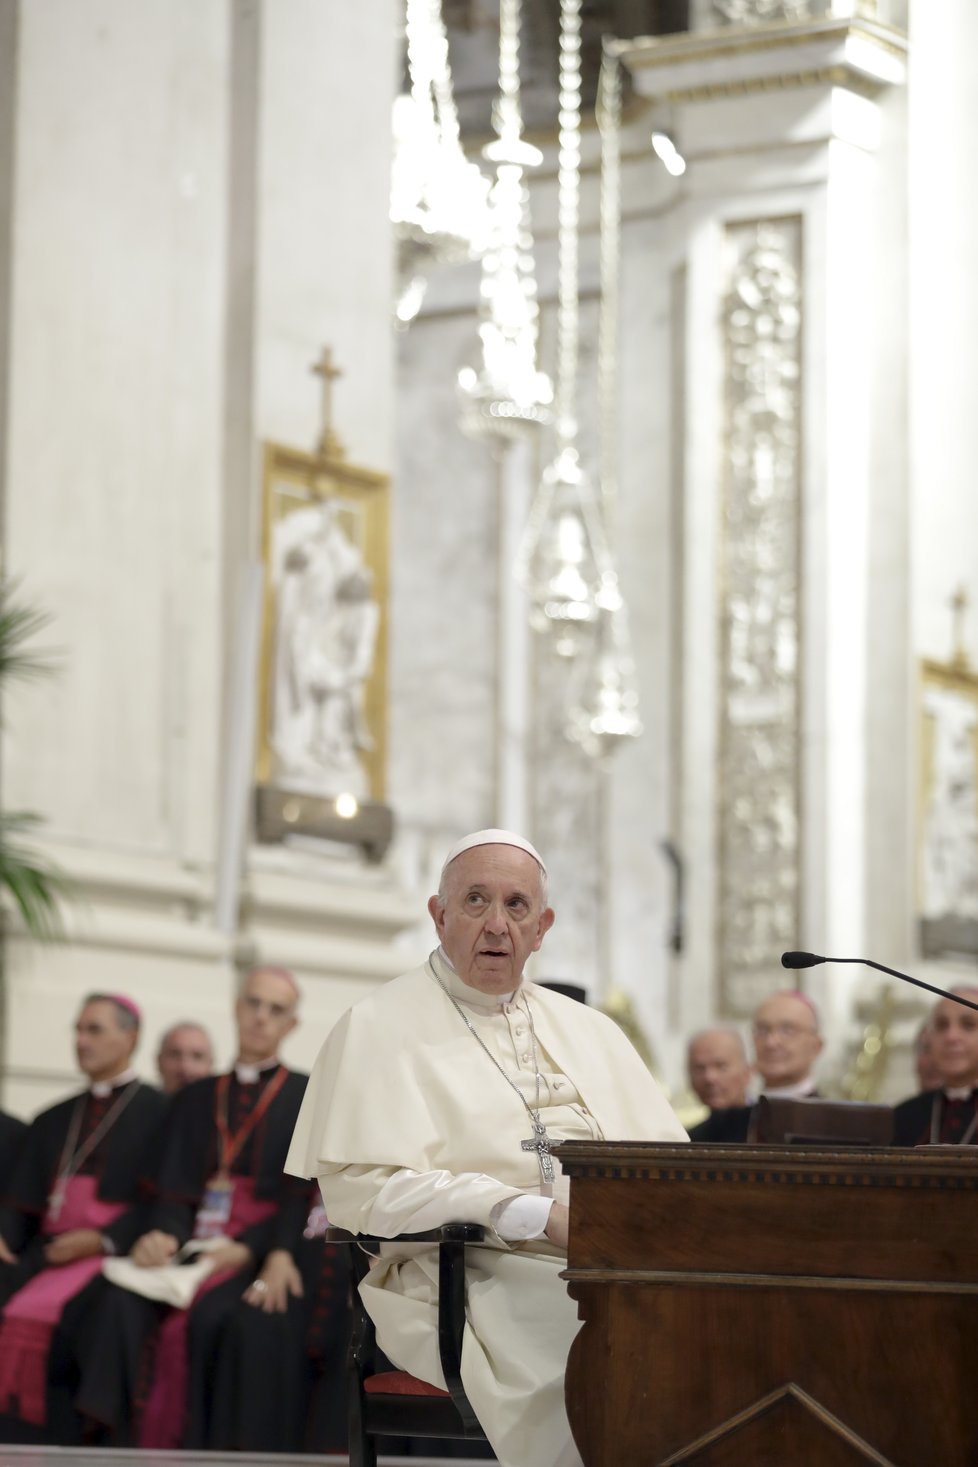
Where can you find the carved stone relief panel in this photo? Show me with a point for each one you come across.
(758, 776)
(756, 12)
(761, 12)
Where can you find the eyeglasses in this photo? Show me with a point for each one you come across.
(783, 1031)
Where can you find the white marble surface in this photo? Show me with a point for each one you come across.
(444, 642)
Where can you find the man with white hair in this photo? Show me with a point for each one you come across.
(437, 1099)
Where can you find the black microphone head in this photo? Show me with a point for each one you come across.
(800, 960)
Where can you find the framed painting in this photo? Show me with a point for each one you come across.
(322, 683)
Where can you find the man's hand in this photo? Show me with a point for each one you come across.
(5, 1254)
(556, 1229)
(70, 1246)
(230, 1255)
(279, 1278)
(153, 1249)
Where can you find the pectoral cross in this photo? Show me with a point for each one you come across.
(541, 1145)
(56, 1200)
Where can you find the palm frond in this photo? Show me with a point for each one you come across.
(34, 886)
(19, 625)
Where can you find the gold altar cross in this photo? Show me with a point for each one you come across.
(329, 445)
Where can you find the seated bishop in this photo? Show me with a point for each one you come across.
(946, 1114)
(223, 1231)
(437, 1099)
(71, 1199)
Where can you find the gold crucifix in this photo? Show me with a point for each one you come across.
(959, 607)
(329, 445)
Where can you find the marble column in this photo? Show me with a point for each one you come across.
(791, 125)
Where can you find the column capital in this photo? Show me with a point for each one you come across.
(859, 55)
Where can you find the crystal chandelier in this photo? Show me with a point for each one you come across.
(438, 198)
(563, 561)
(607, 710)
(508, 395)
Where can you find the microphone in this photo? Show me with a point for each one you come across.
(811, 960)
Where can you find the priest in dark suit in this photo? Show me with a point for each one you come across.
(948, 1114)
(220, 1182)
(71, 1199)
(787, 1043)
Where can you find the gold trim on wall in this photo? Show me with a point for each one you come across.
(293, 480)
(951, 931)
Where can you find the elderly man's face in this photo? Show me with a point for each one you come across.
(265, 1014)
(492, 917)
(925, 1062)
(185, 1055)
(786, 1040)
(955, 1037)
(718, 1069)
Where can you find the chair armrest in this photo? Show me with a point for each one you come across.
(456, 1232)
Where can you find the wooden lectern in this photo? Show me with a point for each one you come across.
(761, 1306)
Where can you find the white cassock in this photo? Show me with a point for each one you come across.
(408, 1124)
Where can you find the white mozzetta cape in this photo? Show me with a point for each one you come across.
(401, 1082)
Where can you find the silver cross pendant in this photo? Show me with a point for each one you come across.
(541, 1145)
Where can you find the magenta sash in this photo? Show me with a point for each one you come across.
(29, 1319)
(163, 1420)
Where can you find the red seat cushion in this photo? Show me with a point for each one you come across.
(399, 1383)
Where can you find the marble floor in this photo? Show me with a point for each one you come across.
(13, 1456)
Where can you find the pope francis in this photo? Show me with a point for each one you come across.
(437, 1099)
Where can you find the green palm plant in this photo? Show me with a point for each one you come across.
(29, 883)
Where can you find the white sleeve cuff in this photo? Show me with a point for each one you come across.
(518, 1219)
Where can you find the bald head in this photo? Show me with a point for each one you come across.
(719, 1071)
(185, 1054)
(265, 1013)
(787, 1041)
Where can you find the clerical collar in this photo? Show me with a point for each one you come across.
(958, 1092)
(464, 992)
(102, 1089)
(790, 1092)
(250, 1074)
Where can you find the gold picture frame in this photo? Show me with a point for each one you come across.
(293, 481)
(947, 809)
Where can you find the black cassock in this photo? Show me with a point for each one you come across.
(732, 1124)
(115, 1163)
(249, 1372)
(913, 1119)
(12, 1132)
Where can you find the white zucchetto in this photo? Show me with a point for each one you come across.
(492, 838)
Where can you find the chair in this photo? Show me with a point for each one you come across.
(822, 1122)
(384, 1402)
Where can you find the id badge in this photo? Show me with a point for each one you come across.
(214, 1212)
(316, 1223)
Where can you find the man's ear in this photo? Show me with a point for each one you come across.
(544, 925)
(436, 908)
